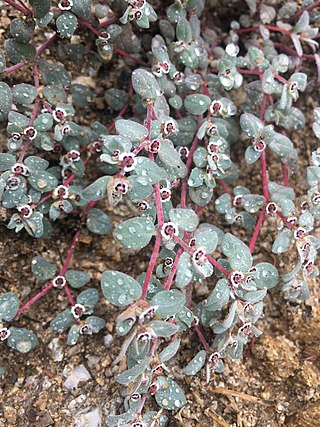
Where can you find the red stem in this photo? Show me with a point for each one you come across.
(202, 338)
(284, 219)
(152, 263)
(34, 299)
(285, 174)
(218, 266)
(169, 280)
(257, 229)
(133, 58)
(225, 187)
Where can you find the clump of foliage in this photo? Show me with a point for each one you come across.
(171, 158)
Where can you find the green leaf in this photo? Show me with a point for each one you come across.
(184, 273)
(22, 339)
(6, 160)
(43, 122)
(266, 276)
(73, 335)
(22, 30)
(169, 395)
(88, 298)
(207, 239)
(62, 322)
(97, 190)
(66, 24)
(131, 374)
(119, 288)
(40, 7)
(183, 30)
(145, 84)
(221, 327)
(255, 296)
(168, 302)
(2, 61)
(162, 328)
(42, 269)
(282, 242)
(43, 181)
(77, 278)
(237, 251)
(132, 130)
(197, 104)
(82, 8)
(17, 52)
(116, 98)
(169, 352)
(148, 172)
(194, 366)
(98, 222)
(24, 93)
(219, 296)
(9, 306)
(96, 323)
(186, 219)
(5, 98)
(135, 233)
(251, 125)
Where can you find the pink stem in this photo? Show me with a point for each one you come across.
(253, 72)
(152, 263)
(218, 266)
(107, 22)
(31, 122)
(169, 280)
(264, 176)
(202, 338)
(133, 58)
(284, 219)
(225, 187)
(285, 174)
(257, 229)
(188, 166)
(34, 299)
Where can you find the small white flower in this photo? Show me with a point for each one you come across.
(199, 256)
(165, 194)
(127, 161)
(4, 334)
(77, 310)
(215, 107)
(236, 278)
(20, 169)
(86, 329)
(65, 4)
(25, 210)
(59, 282)
(30, 132)
(59, 115)
(299, 233)
(169, 230)
(74, 155)
(271, 208)
(60, 192)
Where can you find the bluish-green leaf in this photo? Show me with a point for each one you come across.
(77, 278)
(194, 366)
(135, 233)
(168, 302)
(43, 269)
(22, 339)
(169, 395)
(197, 104)
(9, 306)
(186, 219)
(119, 288)
(98, 222)
(237, 251)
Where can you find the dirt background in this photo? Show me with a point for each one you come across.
(277, 383)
